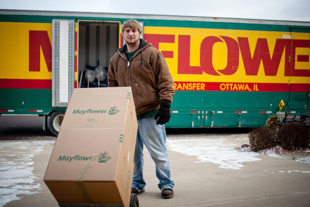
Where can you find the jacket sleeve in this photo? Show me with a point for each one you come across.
(112, 81)
(164, 79)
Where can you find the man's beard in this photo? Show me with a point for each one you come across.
(133, 43)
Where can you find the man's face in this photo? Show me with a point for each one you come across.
(131, 36)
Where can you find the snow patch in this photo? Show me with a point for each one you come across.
(294, 171)
(16, 177)
(214, 150)
(300, 155)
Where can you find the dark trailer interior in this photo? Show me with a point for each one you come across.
(97, 43)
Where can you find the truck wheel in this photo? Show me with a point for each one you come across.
(134, 202)
(54, 122)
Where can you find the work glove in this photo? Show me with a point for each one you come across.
(163, 113)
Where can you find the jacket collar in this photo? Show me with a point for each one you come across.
(141, 45)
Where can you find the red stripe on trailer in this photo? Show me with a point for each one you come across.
(26, 83)
(194, 112)
(32, 110)
(265, 112)
(241, 112)
(6, 110)
(35, 110)
(235, 86)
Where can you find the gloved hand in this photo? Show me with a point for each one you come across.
(163, 114)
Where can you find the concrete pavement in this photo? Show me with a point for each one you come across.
(268, 182)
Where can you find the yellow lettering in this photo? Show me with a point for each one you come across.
(185, 86)
(229, 86)
(241, 87)
(198, 86)
(222, 86)
(192, 86)
(235, 87)
(256, 88)
(247, 87)
(203, 86)
(179, 87)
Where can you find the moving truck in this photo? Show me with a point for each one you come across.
(227, 72)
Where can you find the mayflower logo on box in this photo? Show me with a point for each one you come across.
(103, 158)
(112, 111)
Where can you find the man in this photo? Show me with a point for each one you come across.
(141, 66)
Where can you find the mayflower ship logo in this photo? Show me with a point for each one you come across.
(113, 110)
(104, 157)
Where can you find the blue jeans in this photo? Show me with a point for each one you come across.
(153, 136)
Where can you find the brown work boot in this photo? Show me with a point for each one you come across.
(167, 193)
(133, 190)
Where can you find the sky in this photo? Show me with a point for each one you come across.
(292, 10)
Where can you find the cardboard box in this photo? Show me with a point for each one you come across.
(92, 160)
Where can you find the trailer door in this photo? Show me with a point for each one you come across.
(62, 62)
(299, 97)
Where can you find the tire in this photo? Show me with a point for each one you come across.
(54, 122)
(134, 202)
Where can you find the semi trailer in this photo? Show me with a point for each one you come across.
(228, 72)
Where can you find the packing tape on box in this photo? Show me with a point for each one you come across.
(81, 176)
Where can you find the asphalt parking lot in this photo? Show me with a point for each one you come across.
(206, 168)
